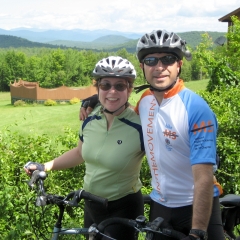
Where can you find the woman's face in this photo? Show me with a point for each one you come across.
(113, 99)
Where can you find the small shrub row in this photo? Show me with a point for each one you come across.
(48, 102)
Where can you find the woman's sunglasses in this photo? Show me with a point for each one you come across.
(166, 60)
(118, 86)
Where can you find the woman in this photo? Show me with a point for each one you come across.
(111, 144)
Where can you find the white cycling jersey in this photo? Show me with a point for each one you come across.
(178, 133)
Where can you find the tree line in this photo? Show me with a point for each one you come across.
(70, 67)
(54, 67)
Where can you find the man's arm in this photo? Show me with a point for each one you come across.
(203, 195)
(87, 106)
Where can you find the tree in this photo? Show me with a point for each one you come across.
(233, 48)
(219, 71)
(15, 63)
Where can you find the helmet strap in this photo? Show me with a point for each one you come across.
(112, 112)
(142, 87)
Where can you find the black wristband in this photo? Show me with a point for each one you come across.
(200, 233)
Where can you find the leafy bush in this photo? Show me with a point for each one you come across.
(50, 102)
(62, 103)
(19, 103)
(226, 106)
(15, 151)
(222, 76)
(74, 100)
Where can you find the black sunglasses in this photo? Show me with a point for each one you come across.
(118, 86)
(166, 60)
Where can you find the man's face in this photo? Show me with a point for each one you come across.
(161, 75)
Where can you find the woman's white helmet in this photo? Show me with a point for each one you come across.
(161, 41)
(114, 66)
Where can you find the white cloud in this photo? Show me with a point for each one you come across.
(124, 15)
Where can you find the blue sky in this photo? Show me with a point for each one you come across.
(119, 15)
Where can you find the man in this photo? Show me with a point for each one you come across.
(179, 132)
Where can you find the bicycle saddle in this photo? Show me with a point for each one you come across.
(230, 199)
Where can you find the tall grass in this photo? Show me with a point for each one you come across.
(52, 120)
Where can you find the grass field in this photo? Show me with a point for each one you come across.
(52, 120)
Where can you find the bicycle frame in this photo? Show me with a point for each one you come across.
(73, 231)
(58, 230)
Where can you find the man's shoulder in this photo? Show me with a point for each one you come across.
(187, 94)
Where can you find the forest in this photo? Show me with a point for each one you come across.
(54, 67)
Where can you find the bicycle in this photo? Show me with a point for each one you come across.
(72, 200)
(141, 225)
(230, 207)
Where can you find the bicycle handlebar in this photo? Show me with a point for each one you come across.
(36, 175)
(81, 194)
(142, 226)
(38, 178)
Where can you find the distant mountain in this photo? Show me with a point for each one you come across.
(99, 43)
(7, 41)
(69, 35)
(110, 43)
(193, 38)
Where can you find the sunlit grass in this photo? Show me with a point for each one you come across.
(52, 120)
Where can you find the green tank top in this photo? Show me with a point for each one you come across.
(112, 157)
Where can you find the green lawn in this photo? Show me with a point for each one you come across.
(38, 119)
(52, 120)
(197, 85)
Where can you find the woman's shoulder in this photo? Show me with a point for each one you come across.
(130, 115)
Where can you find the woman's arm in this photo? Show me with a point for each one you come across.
(69, 159)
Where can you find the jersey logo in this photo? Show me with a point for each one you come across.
(119, 142)
(170, 134)
(168, 144)
(205, 127)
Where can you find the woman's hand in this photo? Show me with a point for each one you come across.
(30, 167)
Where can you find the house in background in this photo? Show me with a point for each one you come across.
(32, 92)
(227, 18)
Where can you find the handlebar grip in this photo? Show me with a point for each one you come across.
(156, 223)
(89, 196)
(36, 175)
(116, 220)
(81, 194)
(173, 233)
(34, 178)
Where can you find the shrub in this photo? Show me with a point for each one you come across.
(50, 102)
(226, 106)
(74, 101)
(62, 103)
(19, 103)
(15, 151)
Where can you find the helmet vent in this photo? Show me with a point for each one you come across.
(159, 34)
(165, 37)
(152, 37)
(120, 60)
(113, 63)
